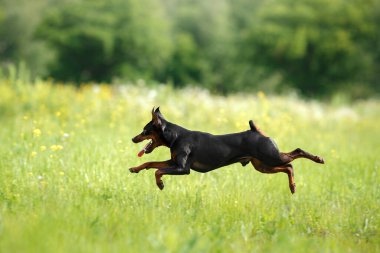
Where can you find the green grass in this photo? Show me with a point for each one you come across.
(65, 184)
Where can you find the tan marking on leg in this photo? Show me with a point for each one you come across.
(159, 182)
(288, 169)
(148, 165)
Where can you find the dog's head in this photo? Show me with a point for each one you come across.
(153, 132)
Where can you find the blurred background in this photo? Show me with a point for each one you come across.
(78, 79)
(316, 48)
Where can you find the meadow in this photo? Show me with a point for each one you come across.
(65, 185)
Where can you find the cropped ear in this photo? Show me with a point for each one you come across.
(157, 119)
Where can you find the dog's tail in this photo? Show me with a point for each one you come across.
(252, 125)
(254, 128)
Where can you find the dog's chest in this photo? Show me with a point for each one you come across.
(200, 167)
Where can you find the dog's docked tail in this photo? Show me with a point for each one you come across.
(254, 128)
(252, 125)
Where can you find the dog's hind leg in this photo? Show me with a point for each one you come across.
(299, 153)
(286, 168)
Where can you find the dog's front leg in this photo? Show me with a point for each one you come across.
(169, 171)
(152, 165)
(181, 167)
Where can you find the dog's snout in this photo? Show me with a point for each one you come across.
(135, 139)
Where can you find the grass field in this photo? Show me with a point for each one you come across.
(65, 184)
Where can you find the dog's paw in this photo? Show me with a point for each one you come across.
(160, 185)
(292, 188)
(319, 160)
(134, 170)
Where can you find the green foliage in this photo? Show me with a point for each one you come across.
(98, 40)
(65, 184)
(18, 21)
(186, 65)
(314, 47)
(317, 46)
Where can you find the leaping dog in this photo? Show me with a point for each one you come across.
(204, 152)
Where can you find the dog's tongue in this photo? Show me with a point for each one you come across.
(140, 154)
(142, 151)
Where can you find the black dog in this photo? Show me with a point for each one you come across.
(204, 152)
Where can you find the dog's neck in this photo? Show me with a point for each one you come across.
(171, 133)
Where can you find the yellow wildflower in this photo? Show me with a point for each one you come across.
(33, 154)
(43, 148)
(261, 94)
(56, 147)
(36, 132)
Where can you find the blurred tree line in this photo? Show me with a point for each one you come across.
(316, 47)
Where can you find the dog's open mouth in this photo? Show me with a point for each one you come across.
(147, 149)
